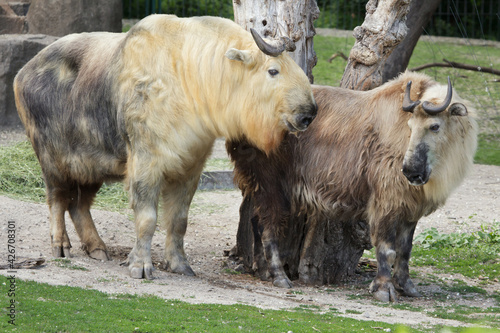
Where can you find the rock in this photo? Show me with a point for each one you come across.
(62, 17)
(15, 52)
(12, 17)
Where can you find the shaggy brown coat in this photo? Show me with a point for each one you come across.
(349, 163)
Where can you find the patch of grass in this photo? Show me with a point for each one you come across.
(471, 254)
(66, 263)
(205, 208)
(330, 73)
(217, 164)
(462, 288)
(469, 314)
(231, 271)
(44, 308)
(21, 178)
(488, 151)
(20, 173)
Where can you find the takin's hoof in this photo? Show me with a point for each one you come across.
(99, 254)
(283, 282)
(138, 269)
(408, 289)
(183, 269)
(60, 252)
(141, 272)
(384, 293)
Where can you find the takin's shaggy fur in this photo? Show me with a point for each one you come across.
(146, 106)
(352, 161)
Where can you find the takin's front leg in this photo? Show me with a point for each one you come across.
(176, 199)
(272, 207)
(144, 199)
(382, 287)
(274, 264)
(383, 235)
(401, 277)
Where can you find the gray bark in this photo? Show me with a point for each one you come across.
(382, 30)
(420, 14)
(291, 18)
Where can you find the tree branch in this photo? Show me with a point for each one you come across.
(458, 65)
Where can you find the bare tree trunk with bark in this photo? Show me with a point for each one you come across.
(383, 29)
(290, 18)
(420, 14)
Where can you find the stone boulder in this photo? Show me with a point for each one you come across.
(62, 17)
(15, 52)
(13, 16)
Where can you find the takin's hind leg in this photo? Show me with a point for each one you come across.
(176, 199)
(58, 200)
(401, 277)
(79, 210)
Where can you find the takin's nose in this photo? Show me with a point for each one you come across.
(305, 119)
(415, 177)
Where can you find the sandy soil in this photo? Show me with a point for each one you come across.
(212, 231)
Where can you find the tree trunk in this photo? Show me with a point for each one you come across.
(383, 29)
(420, 14)
(291, 18)
(322, 248)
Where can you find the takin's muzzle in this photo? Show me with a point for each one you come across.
(416, 167)
(303, 118)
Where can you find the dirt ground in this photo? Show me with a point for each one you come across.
(212, 231)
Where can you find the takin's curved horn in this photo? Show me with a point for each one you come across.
(408, 104)
(272, 50)
(432, 109)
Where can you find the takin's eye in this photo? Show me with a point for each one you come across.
(434, 128)
(273, 72)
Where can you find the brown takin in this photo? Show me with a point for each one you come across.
(145, 107)
(380, 156)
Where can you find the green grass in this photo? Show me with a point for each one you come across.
(217, 164)
(45, 308)
(488, 151)
(330, 73)
(66, 263)
(469, 314)
(473, 255)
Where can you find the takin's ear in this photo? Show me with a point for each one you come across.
(458, 109)
(239, 55)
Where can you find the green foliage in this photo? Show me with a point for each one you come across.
(457, 18)
(474, 255)
(344, 15)
(181, 8)
(466, 18)
(432, 238)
